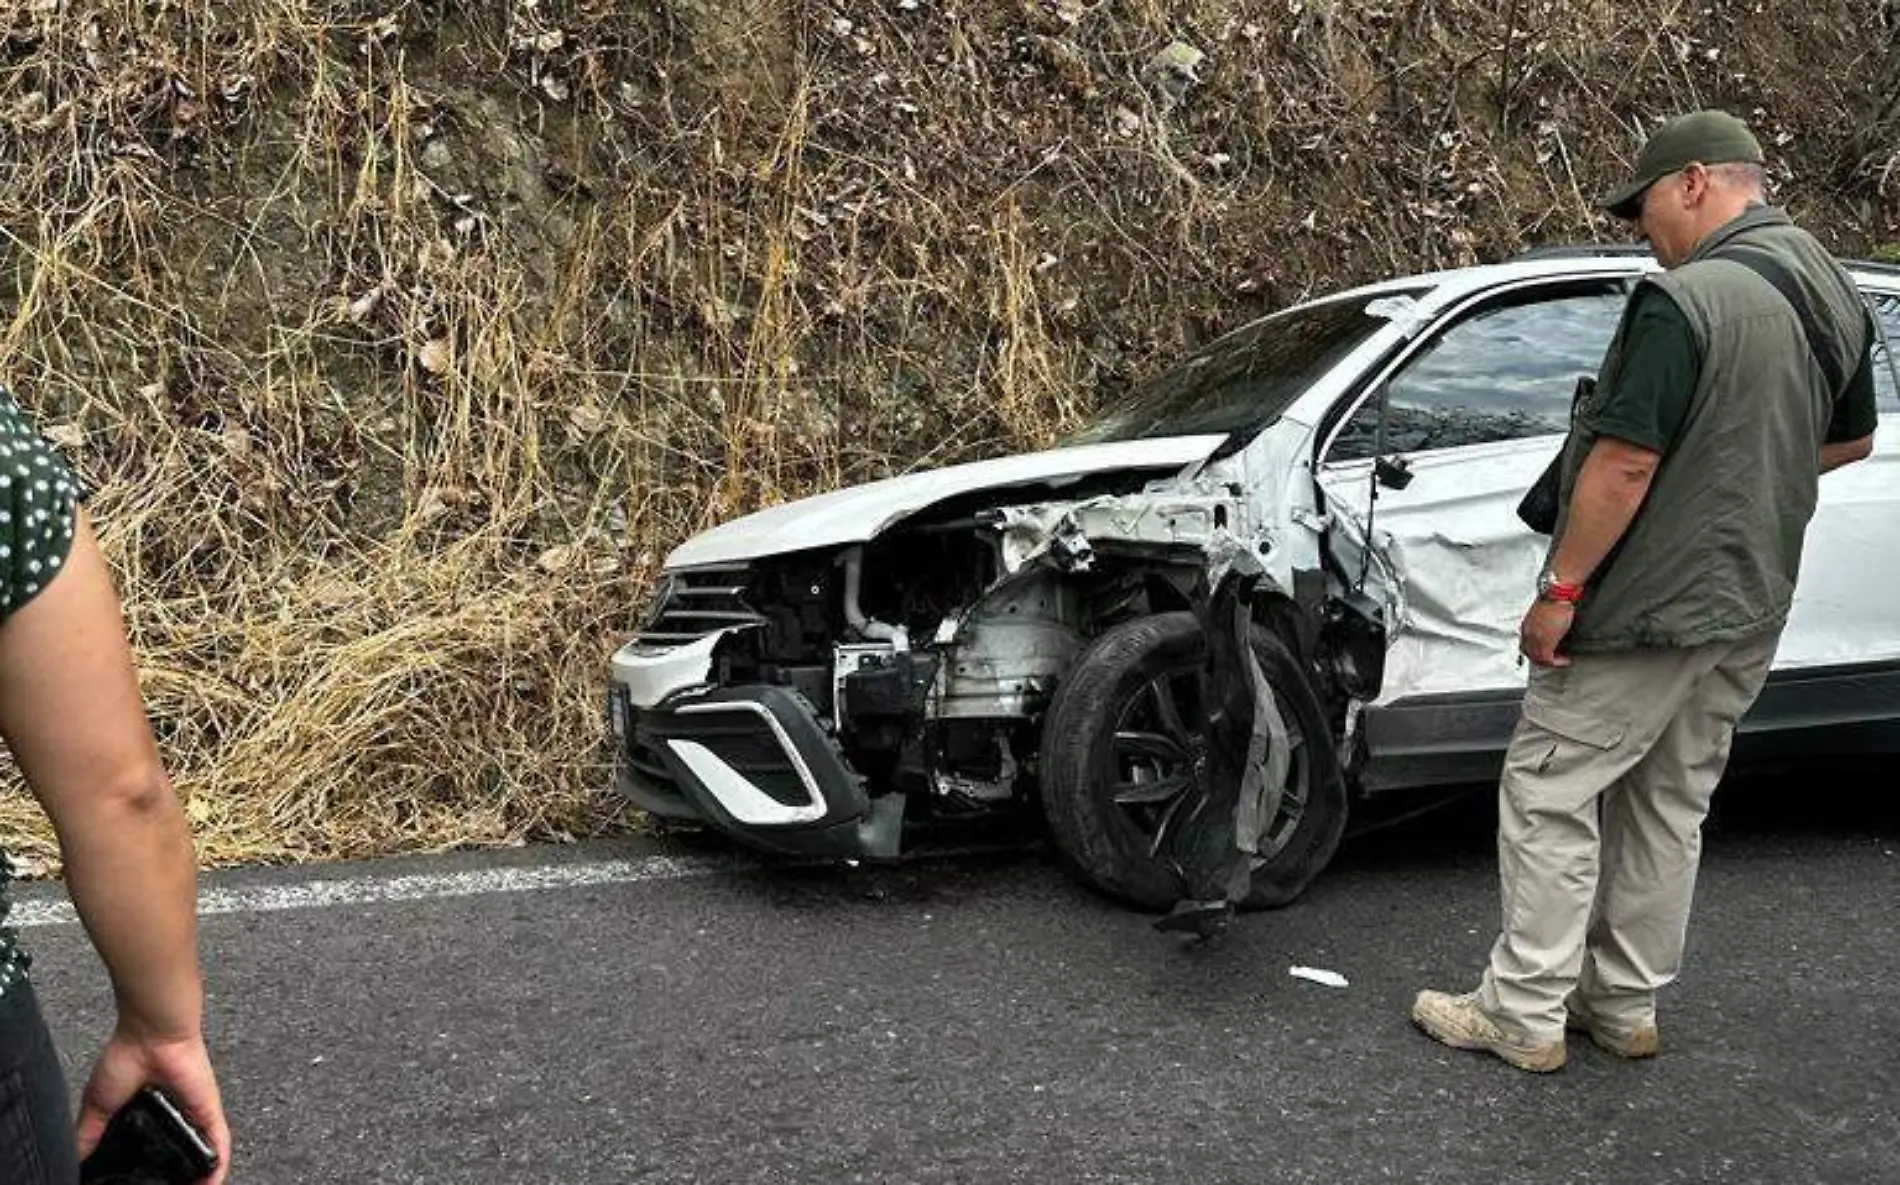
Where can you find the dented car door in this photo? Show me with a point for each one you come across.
(1471, 416)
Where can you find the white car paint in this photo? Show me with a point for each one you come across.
(1457, 565)
(859, 513)
(1451, 560)
(1845, 607)
(651, 673)
(1462, 567)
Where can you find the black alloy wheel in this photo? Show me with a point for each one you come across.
(1121, 742)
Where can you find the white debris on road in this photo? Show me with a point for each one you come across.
(1318, 975)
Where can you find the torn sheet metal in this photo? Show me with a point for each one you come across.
(1065, 533)
(1230, 556)
(1032, 533)
(1457, 570)
(1210, 835)
(1452, 564)
(1403, 311)
(859, 513)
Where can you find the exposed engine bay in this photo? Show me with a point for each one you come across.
(931, 652)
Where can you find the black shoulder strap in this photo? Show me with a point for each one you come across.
(1833, 366)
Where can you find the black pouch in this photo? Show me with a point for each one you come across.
(1538, 508)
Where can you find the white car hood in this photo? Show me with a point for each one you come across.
(858, 513)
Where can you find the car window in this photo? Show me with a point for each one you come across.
(1505, 372)
(1887, 304)
(1242, 382)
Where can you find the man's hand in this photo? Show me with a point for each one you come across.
(1545, 626)
(179, 1067)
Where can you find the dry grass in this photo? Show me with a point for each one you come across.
(400, 340)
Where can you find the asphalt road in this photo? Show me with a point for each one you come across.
(979, 1018)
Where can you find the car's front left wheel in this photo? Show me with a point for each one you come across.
(1120, 741)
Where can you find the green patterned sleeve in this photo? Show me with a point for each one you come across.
(39, 509)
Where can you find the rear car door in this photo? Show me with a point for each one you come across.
(1846, 608)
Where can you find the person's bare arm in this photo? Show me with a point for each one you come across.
(1610, 490)
(71, 712)
(1833, 456)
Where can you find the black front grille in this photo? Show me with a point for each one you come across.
(696, 603)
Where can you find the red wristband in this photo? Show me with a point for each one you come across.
(1566, 594)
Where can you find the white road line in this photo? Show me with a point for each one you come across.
(374, 890)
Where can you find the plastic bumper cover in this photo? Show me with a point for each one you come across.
(753, 761)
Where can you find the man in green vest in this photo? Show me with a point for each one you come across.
(1737, 377)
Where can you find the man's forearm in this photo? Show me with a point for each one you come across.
(1833, 456)
(1610, 489)
(132, 874)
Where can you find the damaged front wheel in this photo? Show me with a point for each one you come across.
(1121, 744)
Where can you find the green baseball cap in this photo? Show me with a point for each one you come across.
(1700, 137)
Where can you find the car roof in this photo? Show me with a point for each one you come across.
(1435, 290)
(1452, 283)
(1581, 261)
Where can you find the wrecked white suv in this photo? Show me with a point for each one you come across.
(825, 677)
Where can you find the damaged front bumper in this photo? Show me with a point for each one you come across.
(756, 762)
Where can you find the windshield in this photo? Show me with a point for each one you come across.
(1241, 383)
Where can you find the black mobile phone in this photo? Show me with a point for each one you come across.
(149, 1142)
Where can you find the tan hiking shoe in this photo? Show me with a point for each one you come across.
(1457, 1021)
(1638, 1043)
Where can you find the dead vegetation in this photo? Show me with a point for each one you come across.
(399, 341)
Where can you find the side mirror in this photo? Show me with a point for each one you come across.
(1392, 472)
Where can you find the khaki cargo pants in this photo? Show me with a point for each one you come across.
(1600, 810)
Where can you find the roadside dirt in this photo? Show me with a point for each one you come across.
(401, 340)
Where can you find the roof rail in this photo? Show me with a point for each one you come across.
(1585, 251)
(1884, 267)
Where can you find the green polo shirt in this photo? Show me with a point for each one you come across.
(1661, 364)
(39, 509)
